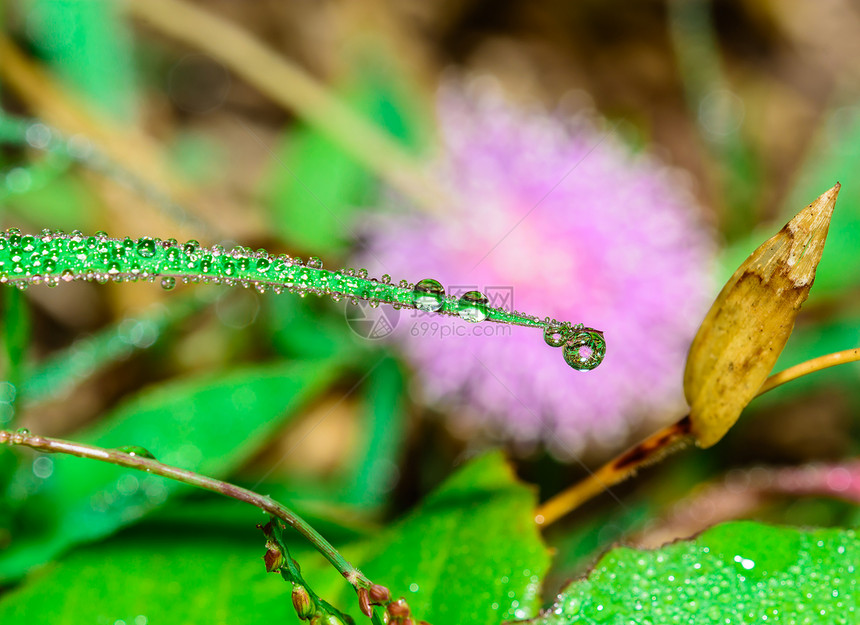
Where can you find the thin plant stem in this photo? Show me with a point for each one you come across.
(810, 366)
(649, 451)
(664, 442)
(291, 87)
(141, 463)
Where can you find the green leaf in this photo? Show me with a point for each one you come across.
(209, 424)
(741, 572)
(469, 554)
(142, 579)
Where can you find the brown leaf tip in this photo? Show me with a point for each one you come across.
(807, 233)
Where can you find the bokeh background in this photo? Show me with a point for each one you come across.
(669, 139)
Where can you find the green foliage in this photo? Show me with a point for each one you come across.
(740, 572)
(207, 424)
(469, 554)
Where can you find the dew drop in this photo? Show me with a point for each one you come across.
(585, 350)
(314, 263)
(428, 295)
(555, 335)
(146, 247)
(23, 431)
(472, 306)
(168, 283)
(135, 450)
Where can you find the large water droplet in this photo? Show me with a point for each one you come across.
(472, 306)
(428, 295)
(585, 350)
(168, 282)
(314, 263)
(135, 450)
(146, 247)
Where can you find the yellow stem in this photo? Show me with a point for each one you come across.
(619, 469)
(291, 87)
(810, 366)
(663, 443)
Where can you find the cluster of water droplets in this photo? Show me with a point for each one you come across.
(583, 348)
(804, 578)
(55, 257)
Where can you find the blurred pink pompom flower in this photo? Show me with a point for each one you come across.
(554, 217)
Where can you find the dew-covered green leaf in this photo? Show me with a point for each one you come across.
(208, 424)
(741, 572)
(469, 554)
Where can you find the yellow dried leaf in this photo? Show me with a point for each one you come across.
(748, 325)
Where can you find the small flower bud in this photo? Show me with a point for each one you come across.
(302, 602)
(364, 602)
(379, 594)
(398, 609)
(273, 557)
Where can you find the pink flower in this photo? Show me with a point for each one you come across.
(577, 228)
